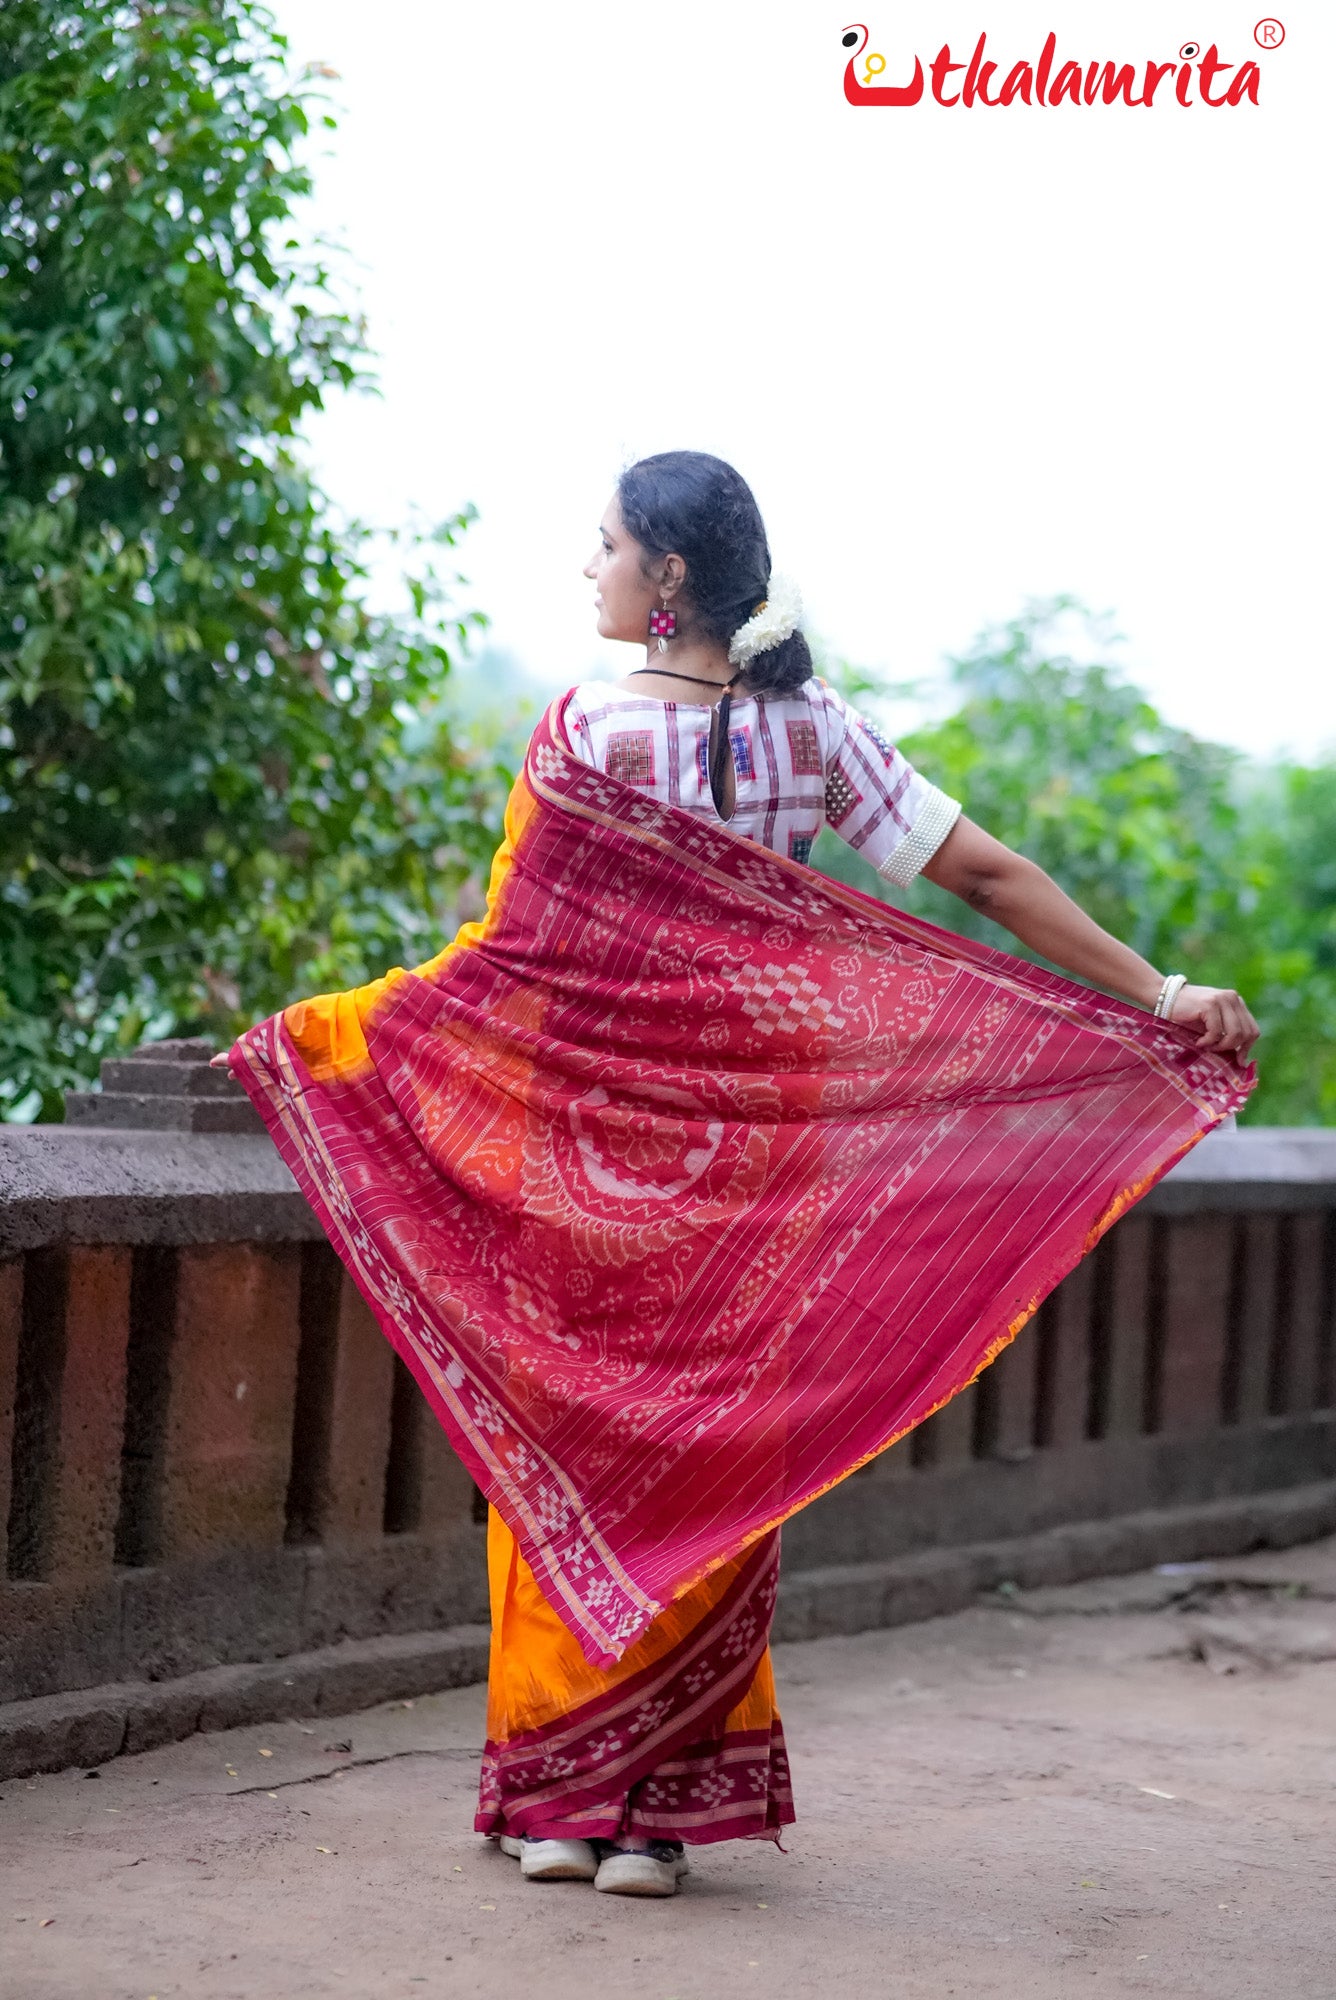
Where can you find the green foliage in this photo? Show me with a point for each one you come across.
(224, 780)
(1199, 860)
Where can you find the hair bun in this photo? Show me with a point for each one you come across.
(780, 669)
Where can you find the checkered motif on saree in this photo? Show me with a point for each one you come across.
(686, 1180)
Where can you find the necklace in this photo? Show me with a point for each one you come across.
(696, 680)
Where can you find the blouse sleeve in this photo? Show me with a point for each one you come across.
(876, 800)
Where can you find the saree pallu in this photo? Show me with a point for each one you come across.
(685, 1181)
(680, 1741)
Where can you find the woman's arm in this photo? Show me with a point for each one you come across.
(1018, 894)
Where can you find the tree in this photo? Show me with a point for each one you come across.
(1179, 846)
(221, 782)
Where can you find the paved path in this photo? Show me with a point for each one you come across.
(1122, 1788)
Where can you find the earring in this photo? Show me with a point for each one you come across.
(662, 625)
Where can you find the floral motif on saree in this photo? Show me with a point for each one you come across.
(686, 1180)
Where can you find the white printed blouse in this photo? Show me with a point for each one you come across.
(800, 760)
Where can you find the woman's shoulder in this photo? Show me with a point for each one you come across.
(592, 698)
(821, 694)
(826, 709)
(592, 690)
(813, 694)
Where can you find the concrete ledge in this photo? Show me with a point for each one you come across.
(877, 1517)
(1273, 1167)
(88, 1727)
(125, 1716)
(62, 1184)
(863, 1597)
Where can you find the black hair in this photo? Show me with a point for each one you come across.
(696, 506)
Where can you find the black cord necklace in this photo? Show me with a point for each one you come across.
(671, 673)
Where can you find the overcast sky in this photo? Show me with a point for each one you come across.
(963, 357)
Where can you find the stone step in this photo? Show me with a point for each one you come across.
(146, 1076)
(120, 1111)
(92, 1724)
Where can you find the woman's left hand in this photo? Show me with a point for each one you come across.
(219, 1061)
(1223, 1018)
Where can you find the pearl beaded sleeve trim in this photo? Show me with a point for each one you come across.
(936, 819)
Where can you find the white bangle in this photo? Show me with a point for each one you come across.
(1168, 994)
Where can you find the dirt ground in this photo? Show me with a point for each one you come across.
(1120, 1788)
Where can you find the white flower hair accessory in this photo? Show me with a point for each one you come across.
(777, 618)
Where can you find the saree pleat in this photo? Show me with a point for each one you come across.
(680, 1741)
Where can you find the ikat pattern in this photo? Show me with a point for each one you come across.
(631, 756)
(744, 764)
(797, 760)
(638, 1174)
(805, 759)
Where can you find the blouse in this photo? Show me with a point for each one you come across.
(800, 761)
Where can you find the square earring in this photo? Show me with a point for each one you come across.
(662, 623)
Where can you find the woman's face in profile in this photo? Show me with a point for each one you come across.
(624, 597)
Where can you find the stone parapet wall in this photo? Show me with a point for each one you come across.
(210, 1456)
(1191, 1357)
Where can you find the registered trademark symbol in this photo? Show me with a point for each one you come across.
(1188, 51)
(1269, 33)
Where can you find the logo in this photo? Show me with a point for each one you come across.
(1197, 76)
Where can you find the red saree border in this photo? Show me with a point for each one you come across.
(651, 1753)
(737, 1788)
(437, 1371)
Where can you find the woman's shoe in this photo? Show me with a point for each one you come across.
(654, 1871)
(556, 1860)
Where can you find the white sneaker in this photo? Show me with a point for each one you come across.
(653, 1873)
(511, 1844)
(558, 1861)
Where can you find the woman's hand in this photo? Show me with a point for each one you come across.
(1223, 1018)
(1016, 893)
(220, 1061)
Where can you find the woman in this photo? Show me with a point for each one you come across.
(686, 1181)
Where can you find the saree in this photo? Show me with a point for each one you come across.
(686, 1180)
(681, 1740)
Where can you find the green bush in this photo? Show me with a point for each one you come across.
(224, 780)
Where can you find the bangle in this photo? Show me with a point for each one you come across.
(1168, 994)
